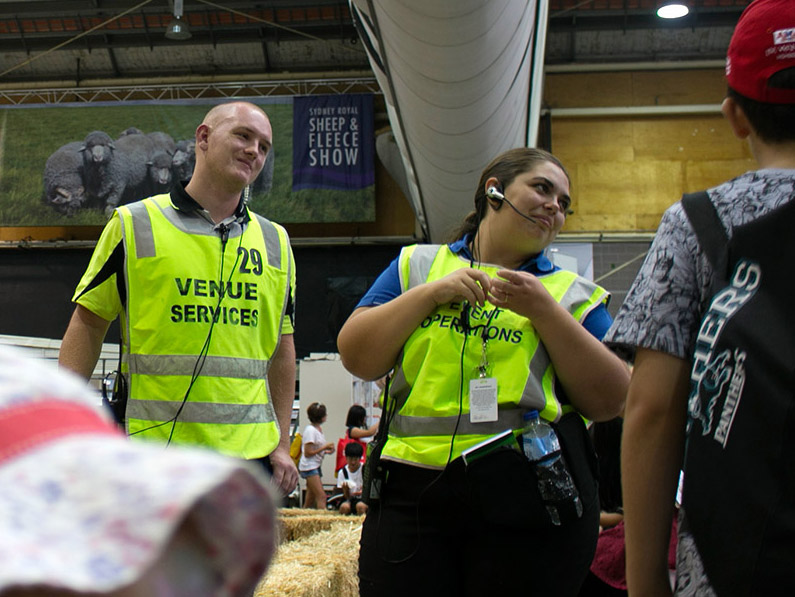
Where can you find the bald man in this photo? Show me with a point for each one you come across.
(204, 289)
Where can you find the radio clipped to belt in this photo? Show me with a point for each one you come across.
(114, 395)
(375, 473)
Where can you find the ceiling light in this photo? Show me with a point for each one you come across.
(177, 28)
(672, 9)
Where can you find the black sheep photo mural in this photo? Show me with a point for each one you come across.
(73, 164)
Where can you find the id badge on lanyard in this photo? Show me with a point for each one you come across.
(483, 391)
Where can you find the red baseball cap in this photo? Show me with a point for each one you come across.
(763, 43)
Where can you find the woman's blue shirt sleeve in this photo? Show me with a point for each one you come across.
(598, 321)
(384, 289)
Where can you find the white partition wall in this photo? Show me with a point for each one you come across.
(322, 378)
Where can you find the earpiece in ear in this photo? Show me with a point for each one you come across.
(495, 193)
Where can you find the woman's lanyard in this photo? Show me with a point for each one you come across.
(482, 388)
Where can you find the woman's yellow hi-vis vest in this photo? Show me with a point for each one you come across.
(176, 273)
(431, 380)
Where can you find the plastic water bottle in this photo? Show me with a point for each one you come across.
(542, 448)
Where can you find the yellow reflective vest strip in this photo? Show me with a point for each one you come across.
(431, 380)
(223, 301)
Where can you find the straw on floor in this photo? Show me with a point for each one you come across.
(320, 564)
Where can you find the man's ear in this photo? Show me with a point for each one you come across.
(738, 121)
(202, 132)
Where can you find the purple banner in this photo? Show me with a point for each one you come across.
(333, 142)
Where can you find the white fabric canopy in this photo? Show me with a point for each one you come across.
(460, 78)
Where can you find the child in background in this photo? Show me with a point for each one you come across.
(355, 429)
(315, 447)
(349, 479)
(356, 423)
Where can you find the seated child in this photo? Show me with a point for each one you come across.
(349, 478)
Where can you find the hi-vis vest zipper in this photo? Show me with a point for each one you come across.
(429, 379)
(173, 266)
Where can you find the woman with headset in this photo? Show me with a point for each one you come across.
(480, 331)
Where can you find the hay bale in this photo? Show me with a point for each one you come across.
(322, 565)
(292, 528)
(285, 512)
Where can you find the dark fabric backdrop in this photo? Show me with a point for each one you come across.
(37, 286)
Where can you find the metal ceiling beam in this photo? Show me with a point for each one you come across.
(107, 7)
(37, 42)
(246, 89)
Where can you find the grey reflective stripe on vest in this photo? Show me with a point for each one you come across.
(142, 230)
(273, 246)
(580, 292)
(273, 243)
(399, 388)
(407, 426)
(421, 261)
(170, 364)
(201, 412)
(533, 392)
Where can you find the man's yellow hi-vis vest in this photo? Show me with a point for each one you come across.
(431, 380)
(177, 270)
